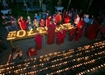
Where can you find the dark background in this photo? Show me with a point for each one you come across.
(96, 6)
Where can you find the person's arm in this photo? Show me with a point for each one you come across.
(4, 22)
(9, 57)
(29, 55)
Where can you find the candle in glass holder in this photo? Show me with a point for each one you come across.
(88, 70)
(93, 68)
(7, 68)
(16, 71)
(34, 58)
(99, 67)
(40, 60)
(25, 74)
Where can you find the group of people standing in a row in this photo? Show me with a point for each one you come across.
(83, 25)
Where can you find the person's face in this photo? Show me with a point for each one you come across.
(32, 49)
(21, 18)
(81, 19)
(3, 17)
(49, 17)
(28, 17)
(35, 14)
(34, 19)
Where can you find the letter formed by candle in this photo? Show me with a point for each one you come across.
(21, 33)
(31, 32)
(11, 35)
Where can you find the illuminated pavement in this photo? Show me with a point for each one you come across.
(27, 43)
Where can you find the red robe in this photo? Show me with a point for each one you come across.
(64, 35)
(50, 35)
(60, 37)
(38, 40)
(48, 22)
(80, 27)
(79, 34)
(42, 23)
(80, 24)
(23, 24)
(72, 33)
(58, 18)
(67, 19)
(32, 53)
(92, 30)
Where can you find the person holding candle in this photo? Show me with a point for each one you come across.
(51, 33)
(38, 40)
(31, 52)
(48, 20)
(60, 36)
(58, 18)
(42, 22)
(35, 23)
(14, 25)
(80, 27)
(91, 31)
(16, 51)
(72, 33)
(6, 23)
(22, 23)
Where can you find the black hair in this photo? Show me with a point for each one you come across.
(13, 50)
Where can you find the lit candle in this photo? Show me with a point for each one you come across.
(88, 70)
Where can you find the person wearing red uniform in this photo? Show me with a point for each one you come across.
(67, 19)
(42, 23)
(72, 33)
(50, 34)
(60, 35)
(92, 30)
(48, 20)
(80, 24)
(58, 18)
(80, 27)
(31, 52)
(38, 40)
(22, 23)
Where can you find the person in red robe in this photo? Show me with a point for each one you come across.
(67, 19)
(22, 23)
(80, 27)
(31, 52)
(48, 20)
(38, 40)
(58, 18)
(60, 35)
(80, 24)
(42, 23)
(92, 30)
(72, 33)
(51, 33)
